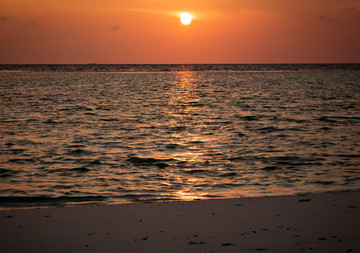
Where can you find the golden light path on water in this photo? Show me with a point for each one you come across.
(186, 111)
(181, 96)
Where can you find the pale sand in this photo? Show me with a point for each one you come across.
(328, 222)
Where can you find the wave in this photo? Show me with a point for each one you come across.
(7, 173)
(138, 161)
(24, 201)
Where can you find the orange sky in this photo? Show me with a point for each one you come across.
(149, 31)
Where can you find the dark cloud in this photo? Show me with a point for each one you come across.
(115, 28)
(343, 14)
(31, 24)
(351, 14)
(325, 18)
(3, 18)
(352, 10)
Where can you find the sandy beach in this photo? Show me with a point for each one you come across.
(327, 222)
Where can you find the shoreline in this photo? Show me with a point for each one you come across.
(309, 222)
(108, 201)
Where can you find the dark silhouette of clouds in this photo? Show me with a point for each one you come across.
(352, 10)
(3, 18)
(31, 25)
(325, 18)
(115, 28)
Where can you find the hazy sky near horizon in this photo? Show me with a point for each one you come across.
(150, 31)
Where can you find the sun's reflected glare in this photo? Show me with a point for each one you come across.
(187, 115)
(189, 196)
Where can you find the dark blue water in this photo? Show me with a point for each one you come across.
(125, 133)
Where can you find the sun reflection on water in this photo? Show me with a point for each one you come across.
(189, 196)
(186, 119)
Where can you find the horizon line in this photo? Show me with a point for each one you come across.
(94, 63)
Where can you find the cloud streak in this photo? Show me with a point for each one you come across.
(115, 28)
(325, 18)
(352, 10)
(31, 25)
(173, 13)
(3, 19)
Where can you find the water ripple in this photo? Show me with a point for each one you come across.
(164, 132)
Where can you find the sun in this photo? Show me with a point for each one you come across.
(186, 18)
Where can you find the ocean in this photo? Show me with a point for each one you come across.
(79, 134)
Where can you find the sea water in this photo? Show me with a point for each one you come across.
(125, 133)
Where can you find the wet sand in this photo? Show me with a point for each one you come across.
(327, 222)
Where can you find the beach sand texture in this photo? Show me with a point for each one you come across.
(327, 222)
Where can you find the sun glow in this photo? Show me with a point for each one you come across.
(186, 18)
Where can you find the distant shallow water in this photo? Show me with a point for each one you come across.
(125, 133)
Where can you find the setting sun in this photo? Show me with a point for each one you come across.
(186, 18)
